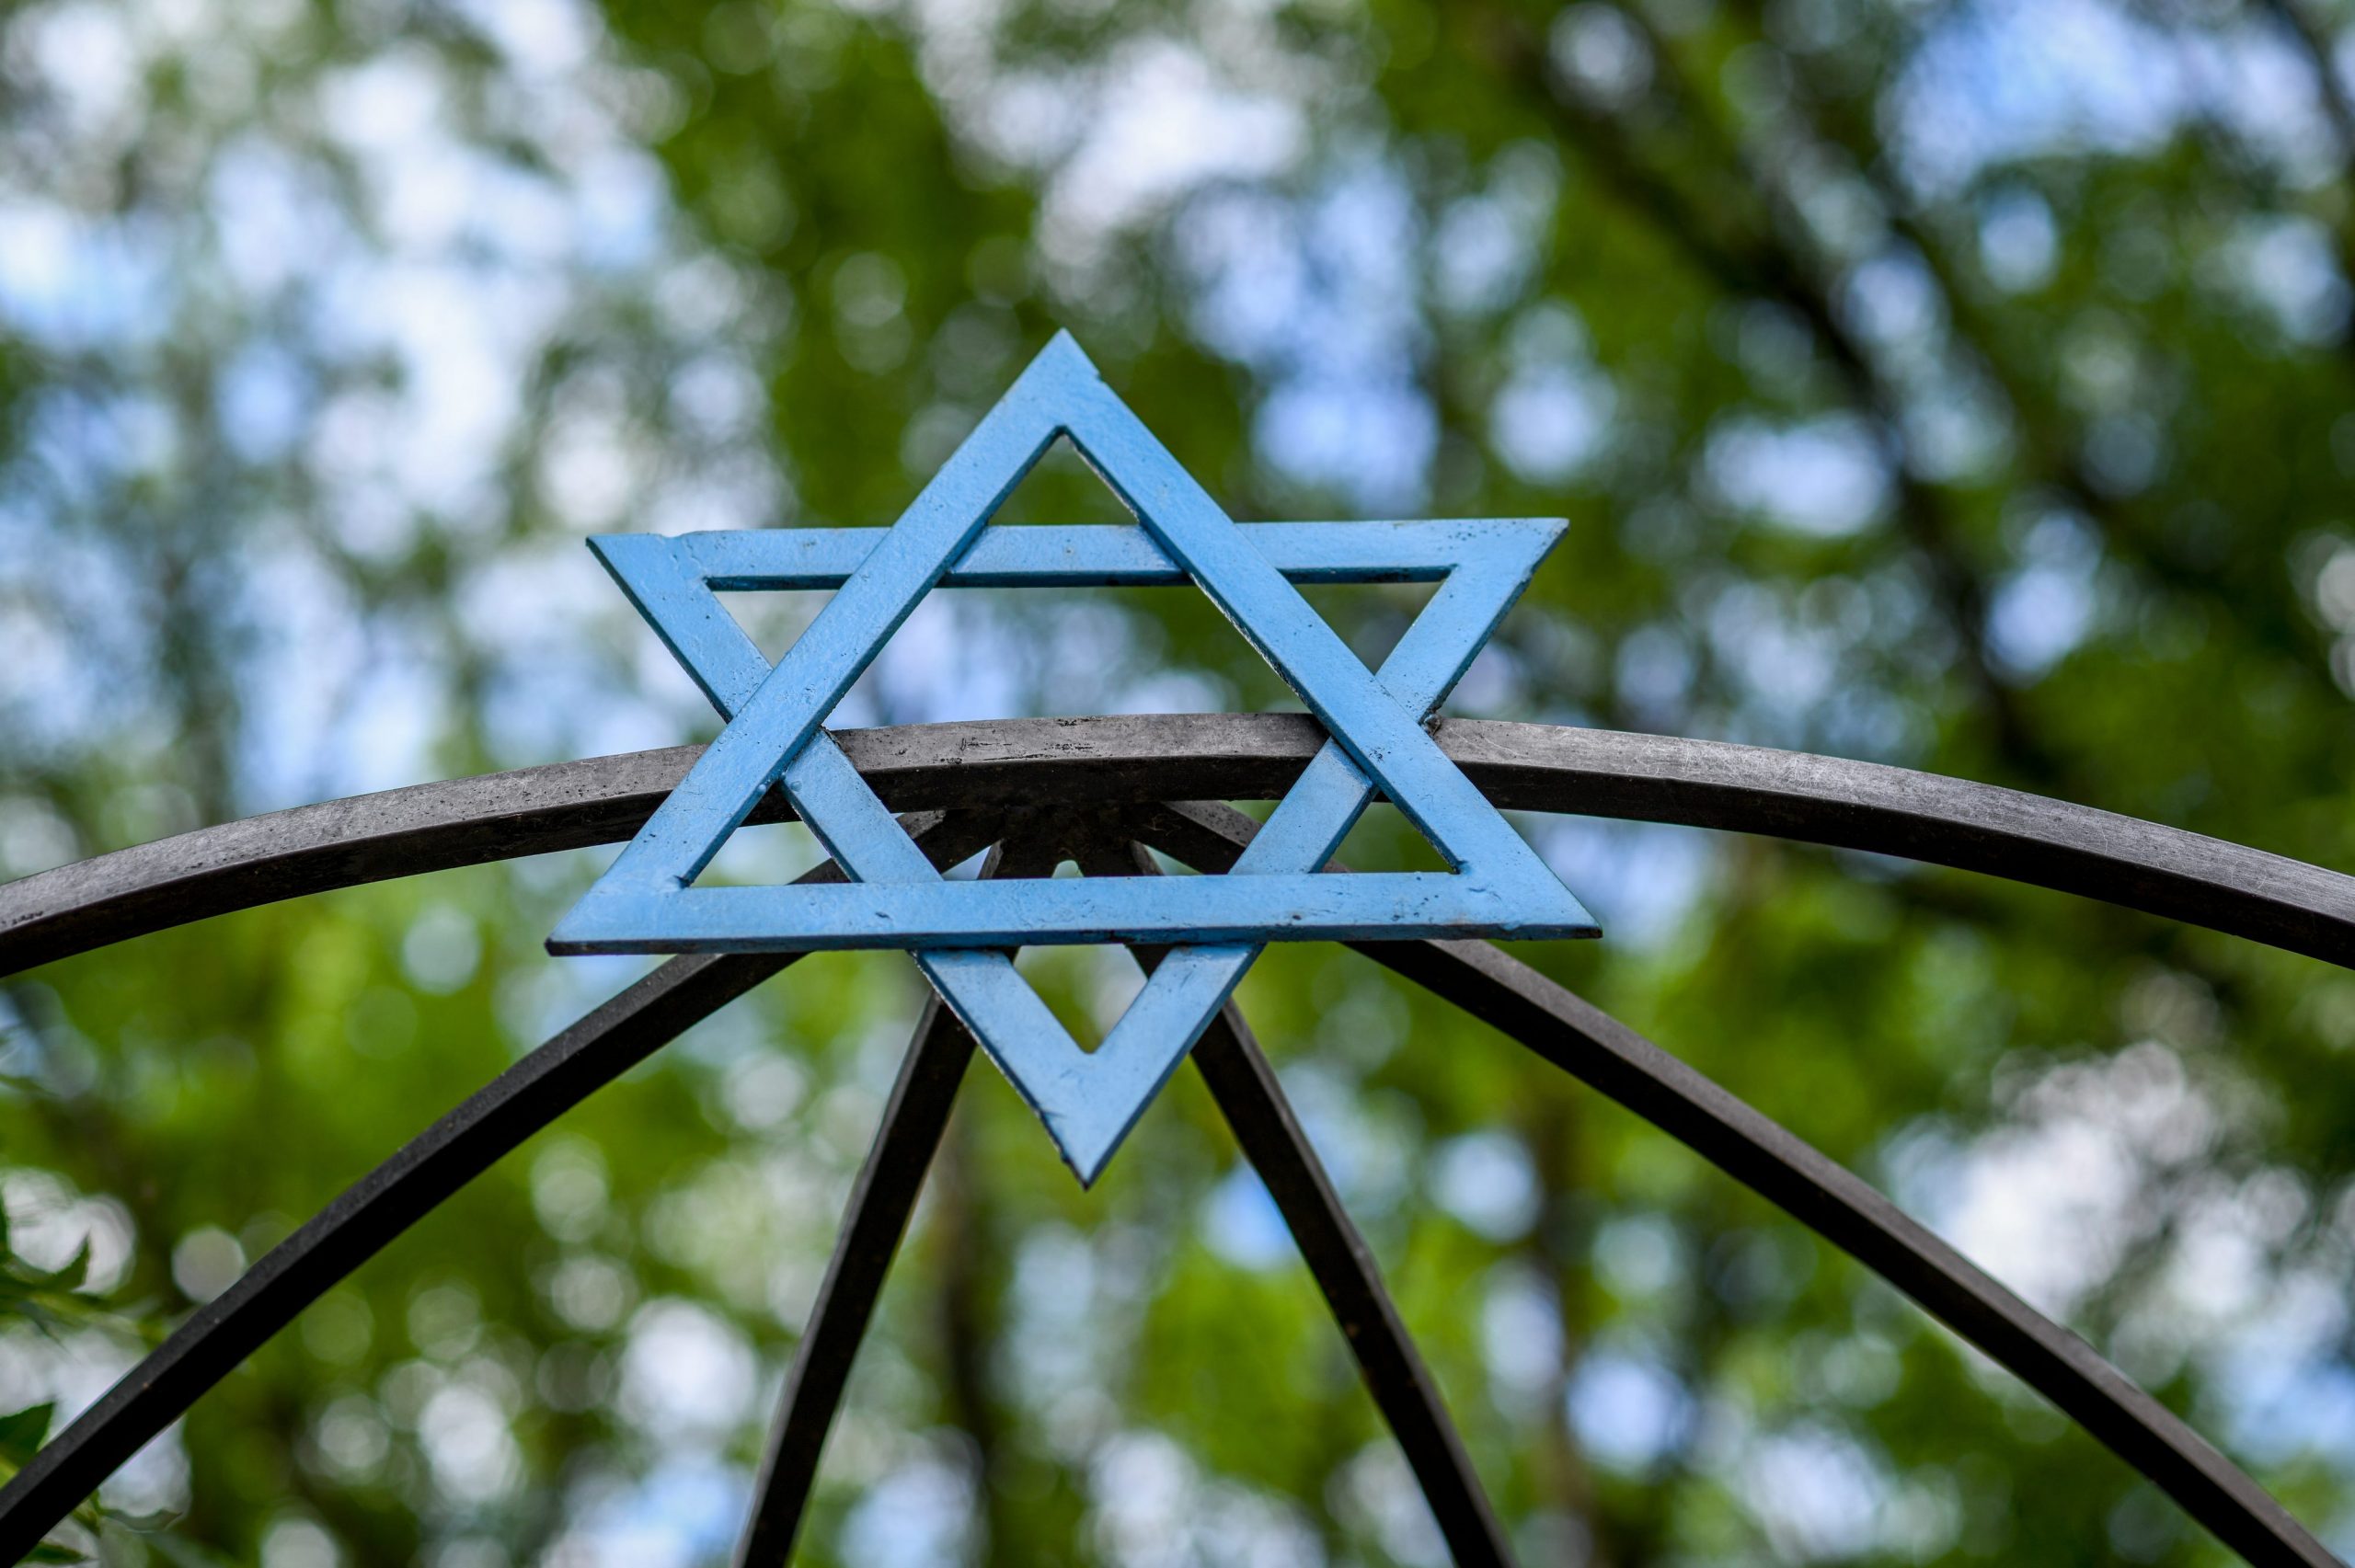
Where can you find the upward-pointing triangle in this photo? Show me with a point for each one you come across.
(647, 903)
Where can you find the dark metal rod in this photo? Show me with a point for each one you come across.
(2134, 863)
(366, 1218)
(1787, 1171)
(358, 1224)
(885, 1194)
(1253, 1103)
(1252, 1098)
(1824, 800)
(879, 1206)
(1623, 1066)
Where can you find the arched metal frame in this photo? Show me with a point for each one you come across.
(1119, 784)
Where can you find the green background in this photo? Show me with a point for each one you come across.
(1960, 386)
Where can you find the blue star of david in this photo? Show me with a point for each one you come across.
(958, 931)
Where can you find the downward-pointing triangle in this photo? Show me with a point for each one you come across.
(960, 932)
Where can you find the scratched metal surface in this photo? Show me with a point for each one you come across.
(1367, 736)
(1725, 786)
(1136, 759)
(211, 1341)
(889, 1180)
(1783, 1168)
(647, 902)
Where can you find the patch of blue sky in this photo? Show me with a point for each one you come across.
(277, 218)
(1150, 1502)
(919, 1514)
(1369, 436)
(264, 396)
(1248, 268)
(1356, 1131)
(1550, 422)
(1320, 296)
(1829, 476)
(78, 664)
(537, 714)
(464, 336)
(1628, 1409)
(686, 1510)
(2039, 614)
(1893, 303)
(70, 282)
(2047, 604)
(1521, 1332)
(1645, 878)
(1241, 1224)
(2001, 81)
(2019, 242)
(1817, 1491)
(1069, 1315)
(1956, 428)
(1553, 416)
(536, 38)
(2286, 1395)
(334, 701)
(399, 707)
(1486, 246)
(2284, 266)
(1160, 120)
(1485, 1181)
(1786, 662)
(80, 441)
(307, 643)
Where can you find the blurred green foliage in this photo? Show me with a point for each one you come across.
(1959, 385)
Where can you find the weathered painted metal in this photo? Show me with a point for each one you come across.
(1819, 799)
(575, 1063)
(1134, 759)
(1248, 1095)
(882, 1200)
(647, 902)
(985, 768)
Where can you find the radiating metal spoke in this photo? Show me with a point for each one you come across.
(889, 1182)
(388, 1201)
(1923, 817)
(1253, 1102)
(1838, 1206)
(1784, 1169)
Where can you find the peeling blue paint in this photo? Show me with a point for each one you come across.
(959, 930)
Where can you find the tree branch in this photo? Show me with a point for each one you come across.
(1765, 264)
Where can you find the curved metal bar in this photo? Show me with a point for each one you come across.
(885, 1194)
(1862, 806)
(1824, 800)
(1253, 1103)
(366, 1218)
(360, 1223)
(1829, 1199)
(1252, 1099)
(879, 1205)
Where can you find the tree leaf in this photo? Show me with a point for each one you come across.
(57, 1552)
(21, 1432)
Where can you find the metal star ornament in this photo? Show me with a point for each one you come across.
(959, 930)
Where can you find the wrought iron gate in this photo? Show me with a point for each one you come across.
(1118, 784)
